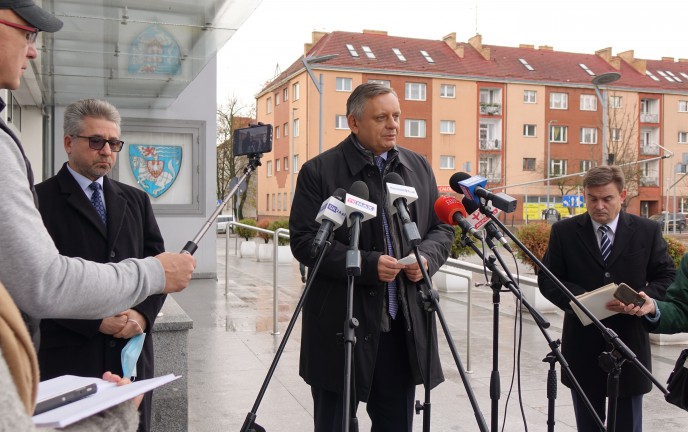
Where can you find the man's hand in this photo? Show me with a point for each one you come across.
(388, 268)
(135, 325)
(114, 324)
(178, 270)
(413, 272)
(647, 308)
(109, 376)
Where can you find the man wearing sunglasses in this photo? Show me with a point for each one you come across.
(96, 218)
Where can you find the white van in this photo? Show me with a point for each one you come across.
(222, 223)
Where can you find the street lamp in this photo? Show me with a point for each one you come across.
(604, 79)
(549, 142)
(291, 172)
(307, 61)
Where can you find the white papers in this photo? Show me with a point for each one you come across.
(595, 302)
(107, 396)
(409, 259)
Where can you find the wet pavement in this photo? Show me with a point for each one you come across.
(231, 348)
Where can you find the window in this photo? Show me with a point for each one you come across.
(588, 103)
(415, 91)
(286, 201)
(344, 84)
(558, 100)
(447, 127)
(447, 91)
(279, 201)
(268, 167)
(399, 55)
(528, 164)
(427, 56)
(588, 136)
(558, 134)
(558, 167)
(268, 104)
(614, 101)
(447, 162)
(340, 122)
(267, 202)
(296, 91)
(386, 83)
(277, 165)
(529, 130)
(615, 134)
(285, 94)
(414, 128)
(683, 106)
(585, 165)
(352, 50)
(277, 99)
(286, 164)
(277, 132)
(273, 202)
(529, 96)
(295, 128)
(295, 163)
(285, 129)
(683, 137)
(368, 52)
(14, 111)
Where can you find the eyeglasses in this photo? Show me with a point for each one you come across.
(97, 143)
(31, 32)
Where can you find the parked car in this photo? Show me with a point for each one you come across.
(222, 223)
(671, 219)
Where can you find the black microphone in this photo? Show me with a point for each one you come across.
(473, 188)
(331, 216)
(358, 209)
(398, 194)
(490, 228)
(452, 212)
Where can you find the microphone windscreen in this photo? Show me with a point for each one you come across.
(340, 194)
(446, 207)
(360, 190)
(394, 178)
(470, 205)
(455, 179)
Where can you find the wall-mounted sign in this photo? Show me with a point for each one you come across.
(155, 167)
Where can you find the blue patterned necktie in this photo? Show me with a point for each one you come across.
(97, 201)
(605, 243)
(391, 286)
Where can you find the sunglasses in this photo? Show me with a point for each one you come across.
(97, 143)
(32, 32)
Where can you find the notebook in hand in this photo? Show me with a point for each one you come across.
(595, 302)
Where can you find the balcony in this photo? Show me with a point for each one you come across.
(649, 117)
(492, 177)
(649, 150)
(490, 144)
(649, 181)
(491, 109)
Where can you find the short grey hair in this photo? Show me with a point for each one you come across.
(603, 175)
(355, 105)
(94, 108)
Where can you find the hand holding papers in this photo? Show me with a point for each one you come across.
(595, 301)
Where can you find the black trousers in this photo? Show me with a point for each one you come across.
(390, 404)
(629, 413)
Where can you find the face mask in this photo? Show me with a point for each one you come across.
(130, 355)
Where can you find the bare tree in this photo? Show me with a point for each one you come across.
(622, 147)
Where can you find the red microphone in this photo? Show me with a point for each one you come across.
(451, 211)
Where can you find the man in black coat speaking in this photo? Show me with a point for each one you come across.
(636, 254)
(390, 349)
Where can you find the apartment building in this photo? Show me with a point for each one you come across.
(514, 115)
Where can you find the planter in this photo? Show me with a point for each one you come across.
(450, 282)
(535, 297)
(247, 249)
(284, 255)
(669, 339)
(264, 252)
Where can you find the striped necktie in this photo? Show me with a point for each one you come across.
(605, 243)
(97, 201)
(391, 286)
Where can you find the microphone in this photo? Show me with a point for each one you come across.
(481, 219)
(474, 188)
(452, 212)
(397, 195)
(331, 216)
(358, 210)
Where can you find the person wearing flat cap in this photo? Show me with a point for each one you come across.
(35, 280)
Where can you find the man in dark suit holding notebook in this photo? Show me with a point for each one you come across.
(591, 250)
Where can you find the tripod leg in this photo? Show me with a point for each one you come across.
(551, 390)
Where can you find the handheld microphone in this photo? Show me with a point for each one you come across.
(331, 216)
(452, 212)
(398, 193)
(481, 219)
(474, 189)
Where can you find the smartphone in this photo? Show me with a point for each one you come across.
(255, 139)
(628, 295)
(57, 400)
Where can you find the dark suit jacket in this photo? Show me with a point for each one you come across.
(639, 258)
(76, 346)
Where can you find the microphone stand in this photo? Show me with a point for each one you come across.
(353, 269)
(249, 423)
(192, 245)
(428, 298)
(611, 361)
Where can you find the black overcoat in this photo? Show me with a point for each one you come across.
(639, 258)
(324, 311)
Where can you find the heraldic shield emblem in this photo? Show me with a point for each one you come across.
(155, 167)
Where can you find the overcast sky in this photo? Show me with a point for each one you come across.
(275, 33)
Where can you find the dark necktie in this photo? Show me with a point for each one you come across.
(605, 243)
(391, 286)
(97, 201)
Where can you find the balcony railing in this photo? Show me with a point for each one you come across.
(649, 181)
(491, 109)
(492, 177)
(649, 117)
(490, 144)
(649, 150)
